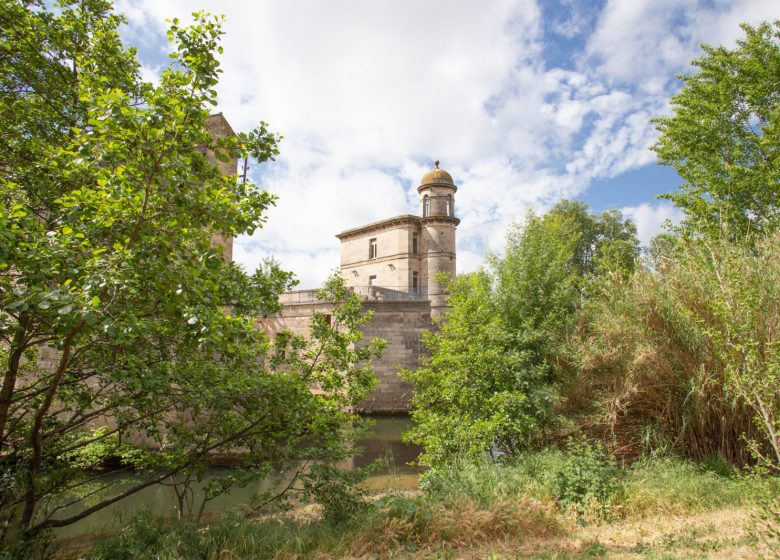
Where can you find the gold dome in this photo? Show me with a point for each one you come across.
(437, 176)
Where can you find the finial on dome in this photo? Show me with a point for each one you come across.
(436, 163)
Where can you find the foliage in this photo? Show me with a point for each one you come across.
(723, 137)
(588, 483)
(118, 306)
(583, 479)
(422, 523)
(741, 293)
(476, 389)
(685, 358)
(337, 491)
(674, 486)
(489, 380)
(586, 479)
(766, 517)
(463, 504)
(547, 266)
(391, 526)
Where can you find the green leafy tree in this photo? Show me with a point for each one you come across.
(548, 267)
(477, 389)
(490, 378)
(723, 137)
(125, 332)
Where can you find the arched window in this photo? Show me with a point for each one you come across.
(426, 206)
(448, 206)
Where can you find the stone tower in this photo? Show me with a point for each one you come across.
(218, 126)
(437, 208)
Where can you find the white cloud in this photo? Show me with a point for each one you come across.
(651, 218)
(644, 42)
(369, 93)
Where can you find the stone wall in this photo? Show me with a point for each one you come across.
(400, 323)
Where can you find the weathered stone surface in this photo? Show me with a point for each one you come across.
(400, 323)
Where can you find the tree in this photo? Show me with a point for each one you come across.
(125, 333)
(548, 267)
(490, 378)
(723, 137)
(477, 389)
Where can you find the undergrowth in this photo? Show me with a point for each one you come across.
(464, 505)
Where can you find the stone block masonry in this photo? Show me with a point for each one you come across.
(400, 323)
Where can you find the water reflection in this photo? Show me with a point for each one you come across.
(383, 441)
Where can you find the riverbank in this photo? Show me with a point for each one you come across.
(549, 505)
(383, 441)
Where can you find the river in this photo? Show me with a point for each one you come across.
(384, 440)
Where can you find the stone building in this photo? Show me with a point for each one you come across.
(392, 265)
(401, 256)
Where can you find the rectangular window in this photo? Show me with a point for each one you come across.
(371, 280)
(415, 280)
(372, 248)
(414, 243)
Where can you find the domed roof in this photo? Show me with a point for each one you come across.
(437, 176)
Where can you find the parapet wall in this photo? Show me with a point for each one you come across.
(400, 323)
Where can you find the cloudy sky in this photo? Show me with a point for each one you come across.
(523, 102)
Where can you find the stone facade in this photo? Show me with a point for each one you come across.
(400, 322)
(405, 254)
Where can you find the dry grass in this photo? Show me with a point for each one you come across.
(458, 525)
(717, 535)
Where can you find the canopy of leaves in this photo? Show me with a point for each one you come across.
(685, 357)
(723, 137)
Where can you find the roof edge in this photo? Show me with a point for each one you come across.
(400, 219)
(220, 116)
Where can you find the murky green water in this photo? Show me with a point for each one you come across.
(384, 441)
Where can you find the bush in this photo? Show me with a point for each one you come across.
(583, 479)
(40, 547)
(766, 517)
(337, 491)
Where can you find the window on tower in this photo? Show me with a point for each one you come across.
(426, 206)
(415, 241)
(448, 206)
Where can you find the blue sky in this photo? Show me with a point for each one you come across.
(524, 102)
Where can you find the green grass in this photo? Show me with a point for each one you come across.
(653, 486)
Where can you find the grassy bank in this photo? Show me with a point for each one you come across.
(547, 505)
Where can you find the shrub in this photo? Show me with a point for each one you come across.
(588, 481)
